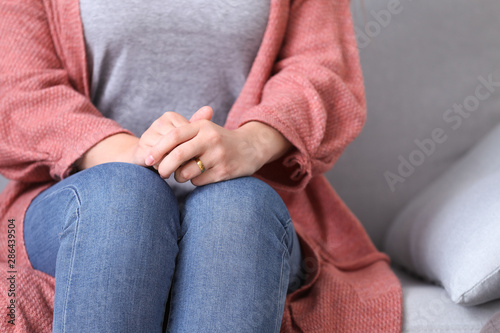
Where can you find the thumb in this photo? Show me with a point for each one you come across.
(205, 112)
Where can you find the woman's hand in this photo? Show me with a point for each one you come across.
(123, 147)
(226, 154)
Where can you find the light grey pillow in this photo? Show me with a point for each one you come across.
(450, 233)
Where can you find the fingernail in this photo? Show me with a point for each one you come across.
(150, 160)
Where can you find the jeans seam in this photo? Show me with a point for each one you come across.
(285, 251)
(278, 318)
(286, 226)
(72, 259)
(38, 200)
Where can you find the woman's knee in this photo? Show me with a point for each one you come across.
(127, 194)
(239, 206)
(120, 178)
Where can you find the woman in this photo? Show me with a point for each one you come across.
(116, 237)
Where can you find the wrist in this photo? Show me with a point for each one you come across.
(268, 141)
(120, 147)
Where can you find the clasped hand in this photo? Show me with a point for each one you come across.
(172, 143)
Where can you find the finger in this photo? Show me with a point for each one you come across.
(177, 119)
(169, 141)
(205, 113)
(160, 127)
(210, 176)
(168, 121)
(217, 170)
(179, 155)
(189, 171)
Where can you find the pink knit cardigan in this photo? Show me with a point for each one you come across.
(306, 82)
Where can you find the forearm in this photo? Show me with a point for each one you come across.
(119, 147)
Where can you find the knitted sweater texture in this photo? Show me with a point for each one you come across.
(306, 82)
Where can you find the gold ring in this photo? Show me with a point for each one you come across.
(200, 164)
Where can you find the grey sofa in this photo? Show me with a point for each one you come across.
(419, 61)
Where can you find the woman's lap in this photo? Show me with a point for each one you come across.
(110, 251)
(233, 244)
(235, 236)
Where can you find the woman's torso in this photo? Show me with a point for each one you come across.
(146, 57)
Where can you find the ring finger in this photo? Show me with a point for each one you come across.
(190, 170)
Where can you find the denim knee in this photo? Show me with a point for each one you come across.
(133, 192)
(239, 206)
(105, 208)
(117, 177)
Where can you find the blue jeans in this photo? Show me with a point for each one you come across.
(119, 247)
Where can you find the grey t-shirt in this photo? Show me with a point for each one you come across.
(147, 57)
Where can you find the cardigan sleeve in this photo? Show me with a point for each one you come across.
(46, 123)
(315, 94)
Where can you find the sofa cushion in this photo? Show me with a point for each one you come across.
(427, 309)
(429, 56)
(450, 232)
